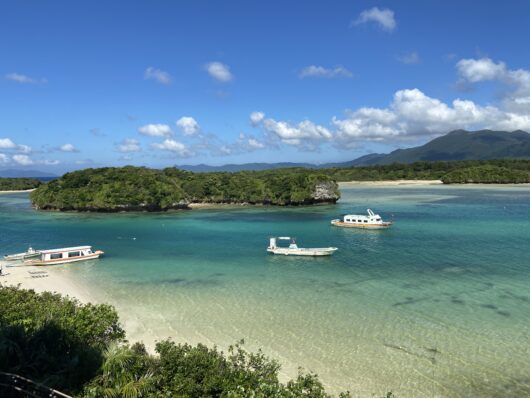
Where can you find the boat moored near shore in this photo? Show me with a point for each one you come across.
(369, 221)
(294, 250)
(65, 255)
(30, 253)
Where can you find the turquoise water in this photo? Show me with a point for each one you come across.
(437, 306)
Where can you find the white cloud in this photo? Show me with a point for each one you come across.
(256, 118)
(24, 79)
(411, 58)
(156, 130)
(173, 146)
(23, 160)
(6, 143)
(304, 135)
(476, 70)
(320, 71)
(4, 158)
(384, 18)
(516, 101)
(68, 148)
(50, 162)
(188, 125)
(219, 71)
(24, 148)
(129, 145)
(158, 75)
(255, 144)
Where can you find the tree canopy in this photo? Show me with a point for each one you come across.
(18, 184)
(139, 188)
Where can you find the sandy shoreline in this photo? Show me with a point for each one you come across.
(22, 190)
(40, 279)
(389, 183)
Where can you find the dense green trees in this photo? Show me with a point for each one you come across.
(18, 184)
(139, 188)
(513, 171)
(52, 339)
(487, 174)
(80, 349)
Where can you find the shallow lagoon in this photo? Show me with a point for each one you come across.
(439, 305)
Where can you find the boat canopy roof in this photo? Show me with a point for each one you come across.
(65, 249)
(284, 237)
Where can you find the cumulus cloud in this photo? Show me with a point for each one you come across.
(4, 159)
(68, 148)
(517, 99)
(24, 148)
(188, 125)
(173, 146)
(411, 58)
(155, 130)
(382, 17)
(306, 134)
(320, 71)
(23, 79)
(219, 71)
(6, 143)
(256, 118)
(158, 75)
(129, 145)
(476, 70)
(22, 160)
(255, 144)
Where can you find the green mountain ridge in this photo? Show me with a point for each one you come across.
(459, 145)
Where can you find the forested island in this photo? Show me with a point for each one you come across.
(129, 188)
(18, 184)
(80, 349)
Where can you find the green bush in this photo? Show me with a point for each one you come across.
(53, 339)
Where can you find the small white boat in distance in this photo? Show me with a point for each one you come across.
(294, 250)
(30, 253)
(370, 221)
(65, 255)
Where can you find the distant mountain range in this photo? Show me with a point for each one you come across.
(456, 145)
(16, 173)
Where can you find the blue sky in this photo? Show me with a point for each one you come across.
(159, 83)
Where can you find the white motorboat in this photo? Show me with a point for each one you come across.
(30, 253)
(369, 221)
(65, 255)
(294, 250)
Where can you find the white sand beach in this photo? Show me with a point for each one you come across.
(40, 279)
(389, 183)
(18, 191)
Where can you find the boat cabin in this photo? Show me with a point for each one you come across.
(66, 253)
(371, 218)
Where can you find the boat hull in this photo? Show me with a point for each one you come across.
(20, 256)
(92, 256)
(311, 252)
(343, 224)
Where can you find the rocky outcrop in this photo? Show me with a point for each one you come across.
(326, 192)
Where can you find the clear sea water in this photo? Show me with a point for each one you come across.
(437, 306)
